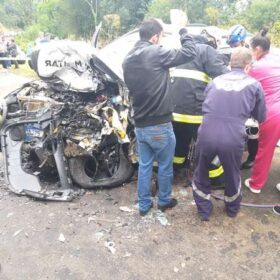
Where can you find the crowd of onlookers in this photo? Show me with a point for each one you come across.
(9, 50)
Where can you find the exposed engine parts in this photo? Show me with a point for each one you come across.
(53, 137)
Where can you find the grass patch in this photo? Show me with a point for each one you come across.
(23, 70)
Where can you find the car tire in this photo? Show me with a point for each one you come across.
(80, 175)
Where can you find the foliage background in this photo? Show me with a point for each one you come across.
(77, 19)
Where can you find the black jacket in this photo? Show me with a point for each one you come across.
(188, 86)
(12, 49)
(147, 77)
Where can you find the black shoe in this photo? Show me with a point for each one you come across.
(188, 183)
(204, 218)
(247, 164)
(276, 210)
(173, 202)
(145, 212)
(232, 215)
(179, 173)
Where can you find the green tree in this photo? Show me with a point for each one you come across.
(111, 27)
(17, 13)
(198, 11)
(131, 12)
(72, 18)
(65, 18)
(275, 34)
(212, 15)
(160, 9)
(261, 13)
(49, 17)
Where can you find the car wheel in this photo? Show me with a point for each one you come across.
(85, 171)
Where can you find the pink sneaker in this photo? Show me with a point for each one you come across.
(247, 184)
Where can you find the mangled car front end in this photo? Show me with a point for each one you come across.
(72, 127)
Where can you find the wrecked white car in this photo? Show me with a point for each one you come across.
(72, 127)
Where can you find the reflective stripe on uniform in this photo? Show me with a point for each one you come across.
(179, 160)
(187, 118)
(190, 74)
(216, 172)
(234, 197)
(200, 193)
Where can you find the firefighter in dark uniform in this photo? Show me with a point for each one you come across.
(189, 81)
(230, 100)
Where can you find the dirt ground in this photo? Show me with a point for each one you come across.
(101, 236)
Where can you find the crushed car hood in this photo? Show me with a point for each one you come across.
(64, 60)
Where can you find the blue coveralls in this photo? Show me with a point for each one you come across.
(230, 100)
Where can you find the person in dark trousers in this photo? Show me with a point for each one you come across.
(252, 130)
(4, 53)
(146, 74)
(236, 38)
(189, 81)
(12, 50)
(230, 100)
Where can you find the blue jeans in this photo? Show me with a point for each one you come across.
(155, 143)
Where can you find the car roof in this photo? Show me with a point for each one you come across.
(114, 53)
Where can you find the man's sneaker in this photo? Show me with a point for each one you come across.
(145, 212)
(278, 187)
(276, 210)
(247, 164)
(247, 184)
(173, 202)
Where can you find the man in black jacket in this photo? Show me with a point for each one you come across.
(147, 77)
(188, 84)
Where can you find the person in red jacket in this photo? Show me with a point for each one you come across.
(266, 69)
